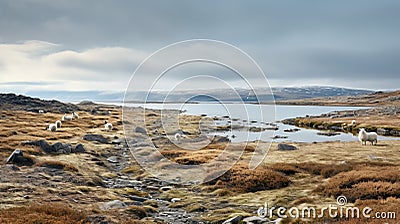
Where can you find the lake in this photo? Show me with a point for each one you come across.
(258, 116)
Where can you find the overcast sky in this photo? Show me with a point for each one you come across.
(96, 45)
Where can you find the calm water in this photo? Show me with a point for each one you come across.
(258, 116)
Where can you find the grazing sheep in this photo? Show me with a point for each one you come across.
(74, 115)
(52, 127)
(41, 111)
(353, 122)
(364, 136)
(58, 124)
(108, 126)
(178, 137)
(67, 118)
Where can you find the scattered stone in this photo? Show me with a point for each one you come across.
(255, 220)
(166, 188)
(116, 141)
(40, 143)
(292, 130)
(18, 158)
(116, 204)
(137, 198)
(112, 159)
(60, 148)
(328, 133)
(153, 188)
(286, 147)
(219, 139)
(173, 200)
(95, 138)
(256, 129)
(79, 149)
(233, 220)
(141, 130)
(279, 136)
(56, 148)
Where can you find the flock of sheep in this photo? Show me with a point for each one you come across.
(363, 136)
(54, 127)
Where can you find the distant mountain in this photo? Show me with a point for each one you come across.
(280, 94)
(289, 93)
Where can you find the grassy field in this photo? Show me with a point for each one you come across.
(70, 187)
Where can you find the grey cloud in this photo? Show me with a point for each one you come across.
(293, 41)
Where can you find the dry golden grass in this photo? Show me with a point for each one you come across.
(22, 126)
(58, 165)
(364, 183)
(42, 213)
(240, 179)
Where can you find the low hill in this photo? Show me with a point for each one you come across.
(374, 99)
(12, 101)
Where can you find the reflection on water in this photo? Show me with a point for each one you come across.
(263, 116)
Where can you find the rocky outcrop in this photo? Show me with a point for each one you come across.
(20, 102)
(56, 148)
(17, 157)
(286, 147)
(96, 138)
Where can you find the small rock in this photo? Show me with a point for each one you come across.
(18, 158)
(153, 188)
(286, 147)
(173, 200)
(255, 220)
(141, 130)
(279, 136)
(220, 139)
(166, 188)
(116, 141)
(328, 133)
(78, 149)
(233, 220)
(112, 159)
(137, 198)
(61, 148)
(112, 205)
(95, 138)
(40, 143)
(26, 197)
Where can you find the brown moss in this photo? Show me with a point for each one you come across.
(58, 165)
(42, 213)
(240, 179)
(136, 211)
(364, 183)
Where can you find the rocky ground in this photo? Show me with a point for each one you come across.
(84, 174)
(385, 120)
(375, 99)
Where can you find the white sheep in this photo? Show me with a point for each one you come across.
(67, 118)
(364, 136)
(58, 124)
(178, 137)
(108, 126)
(52, 127)
(75, 115)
